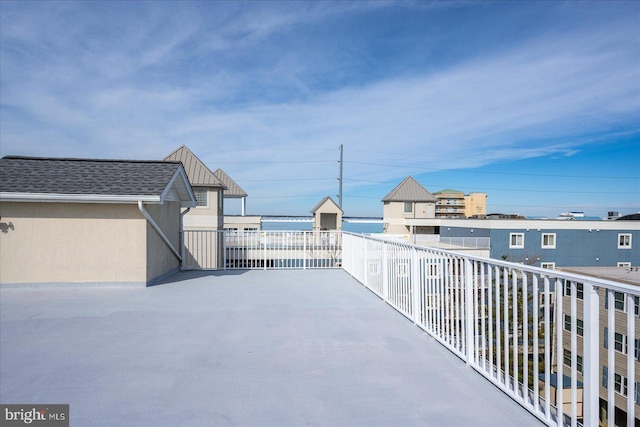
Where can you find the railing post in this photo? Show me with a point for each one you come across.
(304, 250)
(415, 285)
(264, 248)
(385, 279)
(591, 355)
(468, 304)
(224, 250)
(365, 262)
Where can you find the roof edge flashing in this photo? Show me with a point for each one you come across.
(77, 198)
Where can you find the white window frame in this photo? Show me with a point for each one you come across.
(197, 191)
(621, 302)
(619, 345)
(409, 205)
(579, 289)
(567, 360)
(552, 245)
(579, 325)
(515, 245)
(620, 384)
(624, 240)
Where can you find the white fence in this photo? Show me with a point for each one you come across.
(437, 241)
(552, 352)
(261, 249)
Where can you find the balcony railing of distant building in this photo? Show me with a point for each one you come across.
(437, 241)
(565, 347)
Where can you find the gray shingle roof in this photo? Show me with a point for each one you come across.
(199, 174)
(85, 176)
(409, 190)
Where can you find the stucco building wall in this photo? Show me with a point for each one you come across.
(210, 217)
(72, 242)
(159, 258)
(85, 243)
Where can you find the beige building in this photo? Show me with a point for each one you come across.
(623, 386)
(475, 205)
(406, 208)
(90, 221)
(208, 213)
(456, 204)
(211, 190)
(327, 215)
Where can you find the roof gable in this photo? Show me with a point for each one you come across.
(199, 174)
(409, 190)
(233, 189)
(91, 180)
(323, 202)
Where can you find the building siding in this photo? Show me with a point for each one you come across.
(574, 247)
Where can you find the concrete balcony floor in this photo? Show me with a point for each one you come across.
(249, 348)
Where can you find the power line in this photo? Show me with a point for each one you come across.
(274, 162)
(488, 172)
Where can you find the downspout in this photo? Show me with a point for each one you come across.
(155, 226)
(182, 234)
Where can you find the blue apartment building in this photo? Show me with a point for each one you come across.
(554, 243)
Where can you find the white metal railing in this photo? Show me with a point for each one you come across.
(537, 334)
(211, 250)
(437, 241)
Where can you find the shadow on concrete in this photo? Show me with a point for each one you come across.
(181, 276)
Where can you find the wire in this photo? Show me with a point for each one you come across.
(487, 172)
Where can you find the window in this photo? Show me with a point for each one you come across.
(619, 382)
(624, 264)
(202, 197)
(579, 323)
(548, 240)
(638, 350)
(567, 360)
(579, 289)
(637, 393)
(548, 265)
(622, 303)
(408, 207)
(516, 240)
(624, 241)
(619, 341)
(619, 301)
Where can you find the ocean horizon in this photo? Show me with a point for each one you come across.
(364, 228)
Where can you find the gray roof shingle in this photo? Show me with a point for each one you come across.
(85, 176)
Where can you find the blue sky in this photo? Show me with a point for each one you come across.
(535, 103)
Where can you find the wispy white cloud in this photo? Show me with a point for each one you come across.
(188, 77)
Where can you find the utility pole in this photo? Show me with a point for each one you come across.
(340, 179)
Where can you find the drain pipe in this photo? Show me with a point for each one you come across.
(182, 234)
(155, 226)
